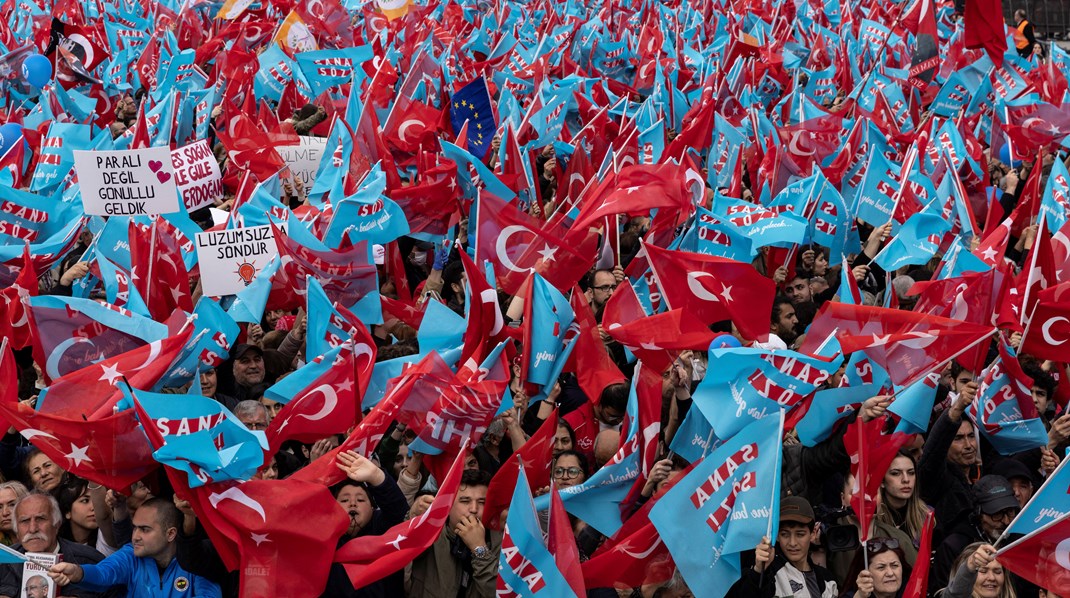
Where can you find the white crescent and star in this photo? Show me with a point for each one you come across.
(1062, 554)
(501, 251)
(237, 495)
(1046, 330)
(31, 433)
(698, 290)
(330, 401)
(405, 125)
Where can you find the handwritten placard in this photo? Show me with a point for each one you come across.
(197, 175)
(304, 159)
(127, 182)
(231, 259)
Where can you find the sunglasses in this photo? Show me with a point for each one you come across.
(876, 545)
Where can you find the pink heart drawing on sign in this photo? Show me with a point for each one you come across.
(155, 165)
(163, 177)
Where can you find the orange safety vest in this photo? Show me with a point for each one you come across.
(1019, 35)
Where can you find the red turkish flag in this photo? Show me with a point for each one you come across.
(329, 404)
(918, 583)
(368, 559)
(111, 451)
(485, 324)
(871, 455)
(561, 542)
(157, 270)
(411, 124)
(15, 311)
(1049, 328)
(654, 339)
(973, 297)
(639, 188)
(432, 204)
(537, 453)
(345, 274)
(908, 345)
(519, 245)
(594, 368)
(714, 289)
(1042, 557)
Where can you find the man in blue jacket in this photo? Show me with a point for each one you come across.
(147, 566)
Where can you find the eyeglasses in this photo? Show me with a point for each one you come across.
(567, 473)
(876, 545)
(1004, 515)
(605, 288)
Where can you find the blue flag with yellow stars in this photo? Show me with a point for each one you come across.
(472, 104)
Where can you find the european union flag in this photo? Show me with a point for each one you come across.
(472, 104)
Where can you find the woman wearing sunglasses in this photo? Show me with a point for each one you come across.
(886, 574)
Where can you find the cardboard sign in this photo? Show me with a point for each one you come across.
(137, 182)
(197, 175)
(231, 259)
(304, 159)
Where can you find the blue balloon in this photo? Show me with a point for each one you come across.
(725, 341)
(1005, 156)
(10, 133)
(37, 70)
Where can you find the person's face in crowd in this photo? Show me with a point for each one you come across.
(1040, 399)
(272, 317)
(44, 474)
(402, 460)
(273, 407)
(887, 572)
(964, 378)
(602, 288)
(990, 580)
(82, 513)
(562, 440)
(798, 290)
(33, 520)
(470, 462)
(469, 501)
(269, 471)
(209, 383)
(357, 505)
(994, 525)
(786, 323)
(138, 496)
(249, 369)
(37, 587)
(821, 264)
(7, 509)
(150, 538)
(117, 129)
(567, 472)
(1023, 490)
(963, 450)
(256, 420)
(794, 541)
(818, 285)
(900, 482)
(609, 416)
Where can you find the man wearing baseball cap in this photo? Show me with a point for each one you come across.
(789, 572)
(995, 506)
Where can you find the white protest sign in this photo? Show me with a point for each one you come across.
(304, 159)
(197, 175)
(127, 182)
(231, 259)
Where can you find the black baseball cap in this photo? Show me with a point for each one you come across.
(244, 348)
(993, 494)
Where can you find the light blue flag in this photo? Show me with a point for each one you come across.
(1003, 400)
(710, 236)
(764, 226)
(743, 385)
(828, 407)
(549, 317)
(597, 500)
(201, 437)
(249, 304)
(464, 160)
(367, 215)
(214, 331)
(1048, 503)
(726, 504)
(525, 564)
(694, 439)
(1056, 199)
(914, 404)
(875, 198)
(917, 242)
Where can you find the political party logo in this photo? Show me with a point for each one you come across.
(246, 272)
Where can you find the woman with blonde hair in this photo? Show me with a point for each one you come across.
(10, 493)
(977, 574)
(900, 511)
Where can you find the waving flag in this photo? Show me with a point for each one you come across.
(1040, 557)
(158, 271)
(916, 243)
(907, 344)
(1047, 505)
(14, 313)
(547, 316)
(72, 333)
(637, 189)
(728, 502)
(347, 275)
(763, 226)
(472, 104)
(200, 437)
(635, 555)
(482, 312)
(1055, 203)
(710, 236)
(1004, 410)
(590, 359)
(871, 455)
(536, 456)
(714, 289)
(525, 566)
(370, 558)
